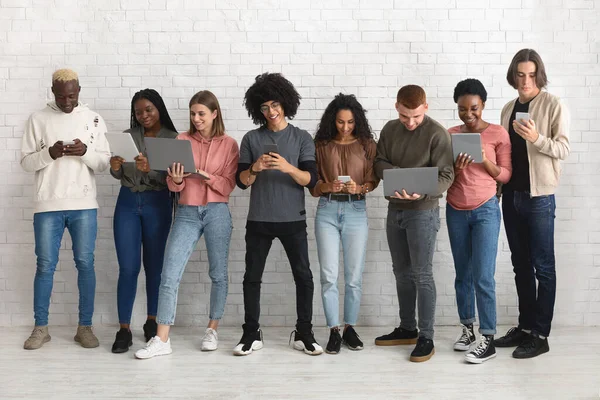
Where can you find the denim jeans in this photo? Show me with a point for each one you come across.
(529, 224)
(411, 237)
(214, 221)
(48, 229)
(295, 244)
(142, 220)
(345, 221)
(474, 242)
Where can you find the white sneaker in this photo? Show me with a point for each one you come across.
(210, 341)
(154, 347)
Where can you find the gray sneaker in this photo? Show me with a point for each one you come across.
(38, 337)
(85, 336)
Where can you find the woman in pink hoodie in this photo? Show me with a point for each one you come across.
(203, 209)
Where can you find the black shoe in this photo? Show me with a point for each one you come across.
(335, 342)
(466, 339)
(150, 328)
(306, 342)
(123, 341)
(483, 352)
(352, 339)
(532, 347)
(249, 342)
(423, 351)
(514, 337)
(397, 337)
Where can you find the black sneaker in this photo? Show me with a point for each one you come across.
(483, 352)
(466, 338)
(351, 339)
(423, 351)
(533, 346)
(123, 341)
(514, 337)
(397, 337)
(249, 342)
(335, 342)
(150, 328)
(306, 342)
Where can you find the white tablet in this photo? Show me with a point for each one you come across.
(469, 143)
(413, 180)
(122, 145)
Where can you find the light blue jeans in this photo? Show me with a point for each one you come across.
(49, 228)
(345, 221)
(214, 220)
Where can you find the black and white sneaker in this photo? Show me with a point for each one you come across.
(466, 338)
(249, 342)
(351, 339)
(306, 342)
(335, 342)
(483, 352)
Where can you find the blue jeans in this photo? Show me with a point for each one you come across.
(411, 237)
(529, 224)
(48, 229)
(474, 242)
(142, 219)
(345, 220)
(214, 220)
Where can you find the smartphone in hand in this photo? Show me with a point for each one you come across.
(270, 148)
(344, 178)
(522, 116)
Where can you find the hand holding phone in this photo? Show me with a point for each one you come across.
(270, 148)
(522, 117)
(344, 178)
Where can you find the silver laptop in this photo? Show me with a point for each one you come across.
(163, 152)
(469, 143)
(413, 180)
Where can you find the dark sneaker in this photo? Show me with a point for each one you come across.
(123, 341)
(514, 337)
(423, 351)
(533, 346)
(466, 338)
(306, 342)
(397, 337)
(335, 342)
(483, 352)
(249, 342)
(351, 339)
(150, 328)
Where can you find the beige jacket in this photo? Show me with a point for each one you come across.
(552, 123)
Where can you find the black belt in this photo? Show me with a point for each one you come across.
(344, 197)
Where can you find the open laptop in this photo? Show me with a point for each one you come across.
(163, 152)
(413, 180)
(469, 143)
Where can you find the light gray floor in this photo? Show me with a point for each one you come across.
(63, 370)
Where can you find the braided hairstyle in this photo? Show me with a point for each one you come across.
(152, 96)
(271, 87)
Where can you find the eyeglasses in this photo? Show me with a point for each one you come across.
(274, 105)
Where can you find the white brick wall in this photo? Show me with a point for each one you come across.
(369, 48)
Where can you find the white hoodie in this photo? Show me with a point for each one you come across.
(67, 183)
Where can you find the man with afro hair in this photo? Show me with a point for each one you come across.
(278, 161)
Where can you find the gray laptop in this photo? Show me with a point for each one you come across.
(413, 180)
(163, 152)
(469, 143)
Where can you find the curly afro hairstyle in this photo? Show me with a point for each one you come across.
(327, 131)
(271, 87)
(470, 86)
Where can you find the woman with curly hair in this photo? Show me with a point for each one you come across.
(345, 151)
(142, 215)
(278, 161)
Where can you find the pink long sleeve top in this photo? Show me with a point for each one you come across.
(217, 157)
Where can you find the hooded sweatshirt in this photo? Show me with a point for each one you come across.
(217, 157)
(67, 183)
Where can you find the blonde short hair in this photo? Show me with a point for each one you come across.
(64, 75)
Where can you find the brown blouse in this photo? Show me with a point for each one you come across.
(335, 159)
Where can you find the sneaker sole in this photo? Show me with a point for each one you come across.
(164, 353)
(86, 346)
(44, 341)
(122, 350)
(299, 345)
(357, 348)
(256, 345)
(473, 360)
(332, 352)
(462, 347)
(395, 342)
(423, 358)
(208, 348)
(530, 356)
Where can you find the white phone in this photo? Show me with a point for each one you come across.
(522, 116)
(344, 178)
(68, 142)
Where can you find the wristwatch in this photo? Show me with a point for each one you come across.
(252, 172)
